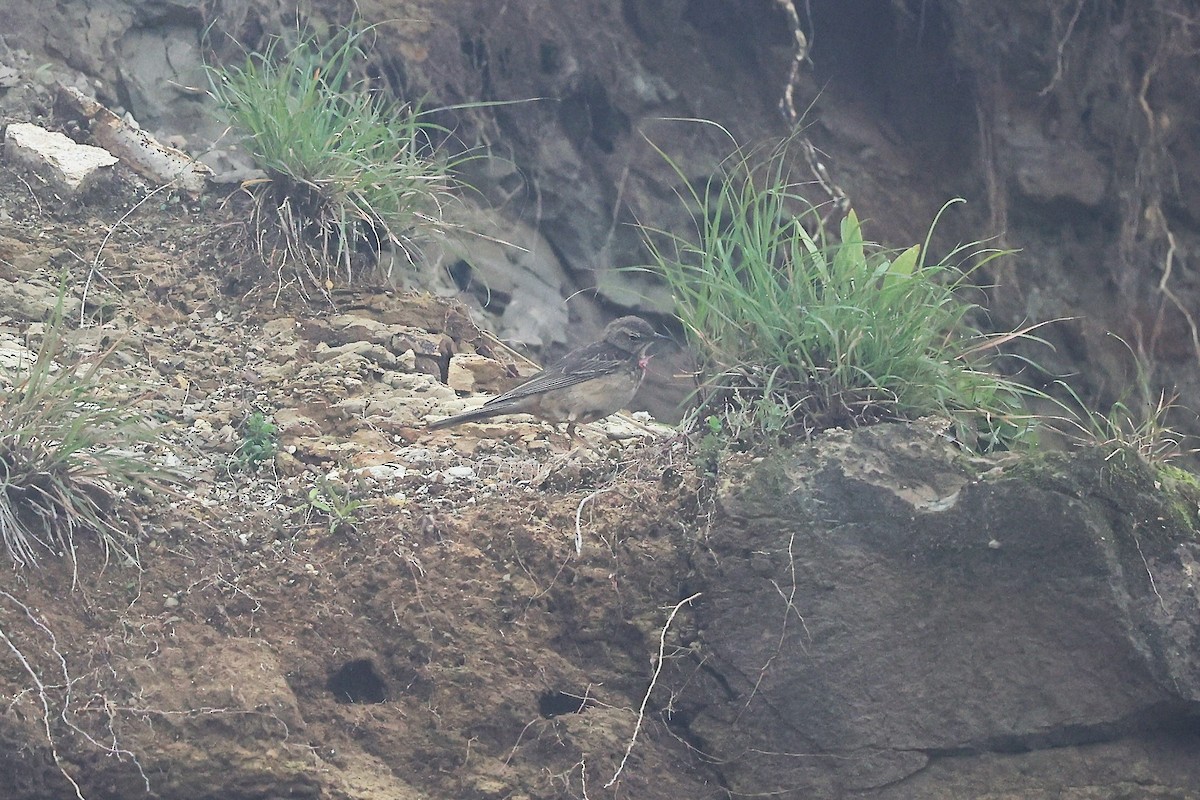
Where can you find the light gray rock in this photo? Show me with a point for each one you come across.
(69, 168)
(509, 272)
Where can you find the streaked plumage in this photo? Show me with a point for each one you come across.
(587, 384)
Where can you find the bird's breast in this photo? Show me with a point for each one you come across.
(591, 400)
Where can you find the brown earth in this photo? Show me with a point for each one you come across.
(436, 647)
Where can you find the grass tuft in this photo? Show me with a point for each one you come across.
(1138, 422)
(799, 330)
(348, 170)
(68, 457)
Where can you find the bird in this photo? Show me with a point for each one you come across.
(587, 384)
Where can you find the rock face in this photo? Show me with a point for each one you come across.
(881, 624)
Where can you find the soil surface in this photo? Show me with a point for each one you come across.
(443, 635)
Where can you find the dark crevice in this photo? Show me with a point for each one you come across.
(550, 59)
(460, 272)
(555, 704)
(900, 67)
(632, 11)
(357, 682)
(679, 724)
(1175, 719)
(588, 114)
(475, 51)
(720, 680)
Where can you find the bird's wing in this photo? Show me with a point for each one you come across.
(574, 369)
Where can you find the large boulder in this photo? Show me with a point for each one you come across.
(878, 621)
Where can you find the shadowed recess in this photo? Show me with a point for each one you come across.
(555, 704)
(356, 682)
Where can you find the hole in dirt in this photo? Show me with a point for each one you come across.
(555, 704)
(356, 682)
(475, 51)
(463, 275)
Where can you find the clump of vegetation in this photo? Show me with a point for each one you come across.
(1139, 427)
(799, 330)
(260, 442)
(68, 457)
(335, 502)
(348, 169)
(1138, 422)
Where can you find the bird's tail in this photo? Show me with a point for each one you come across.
(483, 412)
(450, 422)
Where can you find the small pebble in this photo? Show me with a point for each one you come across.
(461, 473)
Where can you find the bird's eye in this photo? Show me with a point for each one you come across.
(634, 335)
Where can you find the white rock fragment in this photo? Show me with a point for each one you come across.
(415, 455)
(460, 473)
(407, 360)
(70, 168)
(382, 472)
